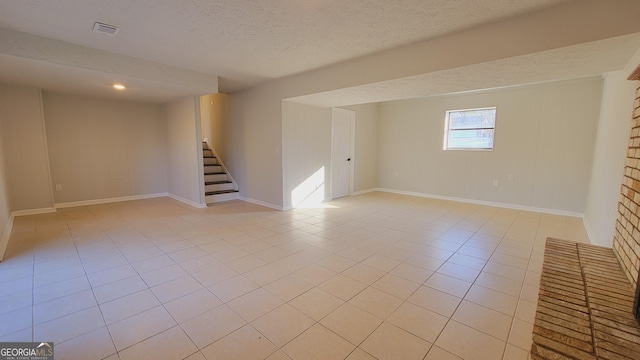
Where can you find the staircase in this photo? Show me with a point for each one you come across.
(218, 184)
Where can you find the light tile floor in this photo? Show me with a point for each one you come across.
(378, 275)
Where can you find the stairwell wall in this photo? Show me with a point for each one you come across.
(184, 151)
(214, 109)
(255, 138)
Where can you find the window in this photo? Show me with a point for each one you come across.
(471, 129)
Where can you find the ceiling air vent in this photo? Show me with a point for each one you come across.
(106, 29)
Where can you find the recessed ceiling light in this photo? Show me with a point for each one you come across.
(119, 86)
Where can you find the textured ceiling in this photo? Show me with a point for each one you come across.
(243, 42)
(572, 62)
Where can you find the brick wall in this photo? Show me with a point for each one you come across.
(626, 240)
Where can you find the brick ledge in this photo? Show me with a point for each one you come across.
(584, 305)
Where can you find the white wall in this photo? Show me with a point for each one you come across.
(307, 149)
(102, 149)
(206, 108)
(214, 109)
(306, 145)
(184, 150)
(256, 127)
(544, 137)
(608, 160)
(255, 136)
(366, 147)
(25, 152)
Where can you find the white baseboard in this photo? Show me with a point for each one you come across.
(262, 203)
(356, 193)
(4, 240)
(129, 198)
(108, 200)
(486, 203)
(186, 201)
(33, 211)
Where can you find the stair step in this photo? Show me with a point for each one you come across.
(217, 182)
(215, 177)
(210, 199)
(218, 185)
(220, 192)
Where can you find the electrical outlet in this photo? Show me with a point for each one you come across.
(510, 177)
(495, 182)
(396, 173)
(58, 187)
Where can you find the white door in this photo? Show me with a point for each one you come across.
(342, 129)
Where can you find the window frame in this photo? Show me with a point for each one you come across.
(447, 130)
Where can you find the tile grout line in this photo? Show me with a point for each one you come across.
(94, 296)
(392, 228)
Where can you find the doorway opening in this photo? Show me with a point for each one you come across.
(342, 152)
